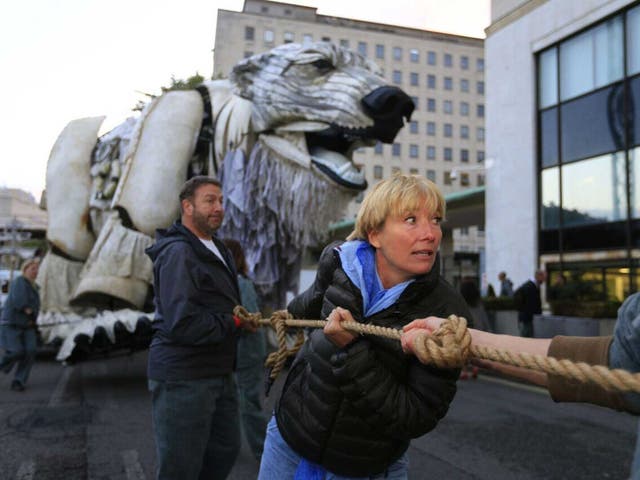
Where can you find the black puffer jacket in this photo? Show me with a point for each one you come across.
(354, 410)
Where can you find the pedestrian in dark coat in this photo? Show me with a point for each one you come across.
(351, 404)
(18, 325)
(529, 303)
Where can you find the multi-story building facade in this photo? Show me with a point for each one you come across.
(563, 125)
(443, 73)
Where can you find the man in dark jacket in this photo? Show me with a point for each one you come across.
(192, 354)
(528, 302)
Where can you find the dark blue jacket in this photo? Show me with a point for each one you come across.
(22, 294)
(194, 335)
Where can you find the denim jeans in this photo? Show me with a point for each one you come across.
(279, 461)
(196, 427)
(20, 347)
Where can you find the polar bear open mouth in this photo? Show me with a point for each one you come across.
(328, 148)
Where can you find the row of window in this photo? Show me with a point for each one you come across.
(432, 83)
(448, 177)
(363, 49)
(414, 150)
(447, 129)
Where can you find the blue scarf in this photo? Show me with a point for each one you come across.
(359, 263)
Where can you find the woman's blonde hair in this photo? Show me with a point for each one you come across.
(27, 263)
(396, 196)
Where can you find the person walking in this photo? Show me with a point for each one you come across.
(193, 349)
(18, 325)
(506, 285)
(529, 303)
(252, 351)
(351, 404)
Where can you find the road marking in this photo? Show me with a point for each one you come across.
(132, 467)
(26, 471)
(58, 393)
(509, 383)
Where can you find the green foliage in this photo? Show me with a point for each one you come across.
(188, 84)
(586, 308)
(498, 303)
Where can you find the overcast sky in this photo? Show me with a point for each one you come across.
(69, 59)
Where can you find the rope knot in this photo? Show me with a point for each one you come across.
(447, 347)
(246, 316)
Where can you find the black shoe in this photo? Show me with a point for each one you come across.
(16, 386)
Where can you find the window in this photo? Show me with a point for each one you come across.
(464, 131)
(413, 150)
(480, 156)
(592, 59)
(480, 133)
(415, 101)
(431, 104)
(480, 179)
(397, 76)
(448, 83)
(307, 38)
(269, 36)
(397, 53)
(480, 88)
(414, 55)
(464, 62)
(431, 81)
(448, 154)
(326, 39)
(344, 43)
(431, 175)
(413, 78)
(249, 34)
(431, 152)
(248, 54)
(464, 155)
(464, 180)
(431, 128)
(464, 85)
(480, 110)
(264, 9)
(379, 51)
(395, 170)
(431, 58)
(448, 60)
(447, 178)
(377, 149)
(413, 126)
(395, 149)
(633, 41)
(464, 109)
(413, 171)
(448, 107)
(362, 48)
(289, 37)
(548, 78)
(448, 130)
(480, 64)
(377, 172)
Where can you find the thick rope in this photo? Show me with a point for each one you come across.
(448, 347)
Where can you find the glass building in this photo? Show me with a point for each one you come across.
(588, 116)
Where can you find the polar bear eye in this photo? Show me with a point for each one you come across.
(324, 65)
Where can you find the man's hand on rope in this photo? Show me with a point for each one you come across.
(334, 330)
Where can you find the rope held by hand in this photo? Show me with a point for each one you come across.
(448, 347)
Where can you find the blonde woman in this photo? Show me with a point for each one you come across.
(351, 404)
(18, 325)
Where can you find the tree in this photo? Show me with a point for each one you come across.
(176, 84)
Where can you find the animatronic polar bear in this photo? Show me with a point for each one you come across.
(279, 134)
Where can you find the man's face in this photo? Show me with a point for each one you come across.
(205, 210)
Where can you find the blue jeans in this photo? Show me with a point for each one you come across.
(20, 348)
(279, 461)
(196, 427)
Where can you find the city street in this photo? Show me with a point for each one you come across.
(92, 421)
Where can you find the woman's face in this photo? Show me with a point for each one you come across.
(31, 272)
(406, 245)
